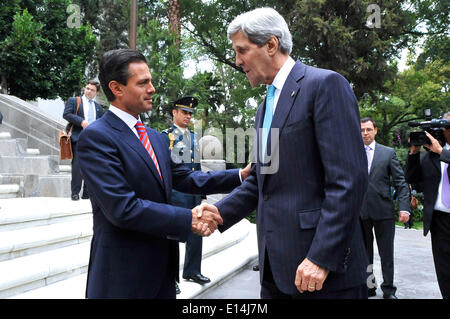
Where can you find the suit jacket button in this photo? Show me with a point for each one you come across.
(265, 197)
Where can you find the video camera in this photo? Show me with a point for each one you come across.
(432, 126)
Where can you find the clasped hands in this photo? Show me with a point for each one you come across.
(205, 219)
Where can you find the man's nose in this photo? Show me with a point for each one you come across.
(238, 60)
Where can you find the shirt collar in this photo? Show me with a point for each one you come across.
(282, 75)
(183, 130)
(129, 119)
(85, 97)
(372, 145)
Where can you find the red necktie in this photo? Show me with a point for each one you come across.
(143, 137)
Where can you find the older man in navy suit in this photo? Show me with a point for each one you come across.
(130, 175)
(311, 172)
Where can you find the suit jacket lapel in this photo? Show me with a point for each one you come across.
(133, 141)
(376, 157)
(288, 95)
(80, 109)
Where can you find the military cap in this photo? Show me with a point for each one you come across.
(187, 103)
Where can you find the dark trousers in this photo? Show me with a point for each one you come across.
(193, 255)
(167, 289)
(269, 289)
(384, 233)
(440, 243)
(75, 183)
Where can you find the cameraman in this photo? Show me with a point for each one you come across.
(431, 171)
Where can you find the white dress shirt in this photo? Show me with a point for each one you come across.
(129, 119)
(280, 79)
(86, 108)
(439, 205)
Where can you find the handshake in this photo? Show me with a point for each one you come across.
(205, 219)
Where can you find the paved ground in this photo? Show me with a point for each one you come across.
(414, 273)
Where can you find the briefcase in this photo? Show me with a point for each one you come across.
(65, 145)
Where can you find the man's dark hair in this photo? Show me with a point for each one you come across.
(367, 119)
(114, 67)
(95, 83)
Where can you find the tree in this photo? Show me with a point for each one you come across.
(410, 93)
(41, 55)
(329, 34)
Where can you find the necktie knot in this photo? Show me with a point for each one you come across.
(271, 90)
(139, 126)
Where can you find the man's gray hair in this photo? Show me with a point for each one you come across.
(259, 25)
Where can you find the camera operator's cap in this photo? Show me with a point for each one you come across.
(187, 103)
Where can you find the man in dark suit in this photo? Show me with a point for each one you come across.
(88, 112)
(430, 174)
(130, 175)
(377, 212)
(308, 187)
(184, 145)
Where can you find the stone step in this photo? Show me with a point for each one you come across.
(223, 265)
(38, 270)
(8, 147)
(55, 185)
(65, 168)
(5, 135)
(28, 165)
(13, 147)
(223, 255)
(33, 151)
(32, 240)
(9, 190)
(19, 213)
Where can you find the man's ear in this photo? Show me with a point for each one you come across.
(116, 88)
(273, 45)
(174, 111)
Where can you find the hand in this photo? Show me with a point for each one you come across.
(309, 276)
(414, 149)
(205, 219)
(403, 217)
(245, 172)
(84, 124)
(435, 147)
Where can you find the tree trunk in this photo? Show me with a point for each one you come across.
(4, 86)
(175, 19)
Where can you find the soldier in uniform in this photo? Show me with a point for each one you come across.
(184, 147)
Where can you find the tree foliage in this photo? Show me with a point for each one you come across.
(409, 94)
(40, 55)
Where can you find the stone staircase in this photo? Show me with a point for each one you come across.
(45, 242)
(26, 173)
(42, 241)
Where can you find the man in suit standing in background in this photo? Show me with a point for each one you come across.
(88, 112)
(128, 169)
(431, 172)
(309, 184)
(183, 144)
(377, 212)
